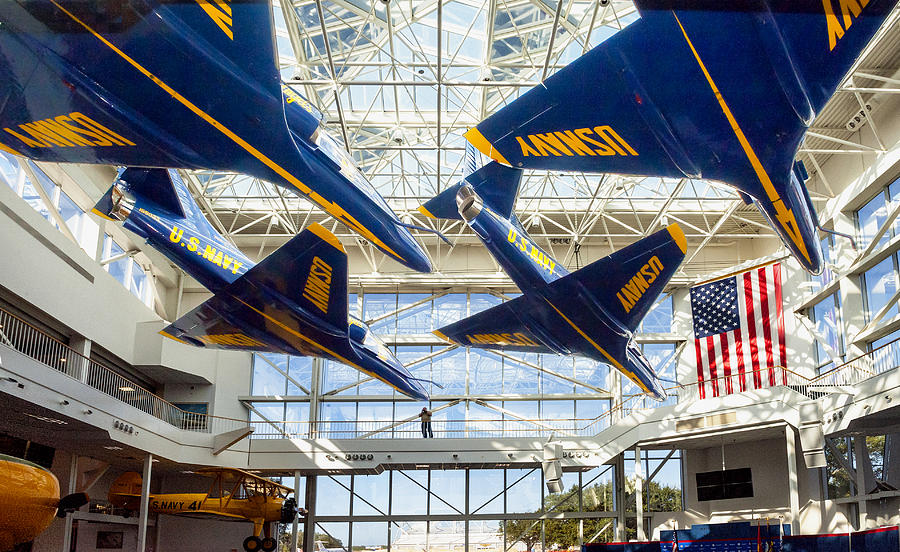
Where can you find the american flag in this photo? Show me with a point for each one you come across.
(739, 332)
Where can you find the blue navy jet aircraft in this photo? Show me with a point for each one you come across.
(294, 301)
(592, 311)
(721, 90)
(181, 84)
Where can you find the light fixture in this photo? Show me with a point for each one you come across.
(46, 419)
(113, 447)
(62, 359)
(126, 388)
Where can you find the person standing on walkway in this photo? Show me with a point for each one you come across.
(425, 415)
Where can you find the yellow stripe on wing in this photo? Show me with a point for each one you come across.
(7, 149)
(477, 139)
(609, 357)
(333, 209)
(785, 216)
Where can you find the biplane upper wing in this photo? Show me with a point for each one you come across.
(259, 483)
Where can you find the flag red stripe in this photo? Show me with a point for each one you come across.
(726, 365)
(767, 325)
(711, 354)
(739, 353)
(701, 387)
(751, 330)
(782, 352)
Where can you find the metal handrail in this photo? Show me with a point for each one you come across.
(33, 342)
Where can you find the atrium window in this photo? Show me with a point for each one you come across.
(826, 317)
(872, 216)
(659, 319)
(880, 284)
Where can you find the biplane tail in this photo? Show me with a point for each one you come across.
(125, 491)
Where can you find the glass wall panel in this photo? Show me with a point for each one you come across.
(415, 320)
(659, 319)
(519, 378)
(825, 315)
(449, 309)
(370, 535)
(870, 218)
(300, 371)
(880, 284)
(333, 497)
(448, 488)
(486, 536)
(449, 369)
(376, 305)
(485, 372)
(335, 534)
(336, 375)
(408, 490)
(523, 492)
(486, 491)
(267, 380)
(372, 492)
(591, 372)
(521, 535)
(562, 365)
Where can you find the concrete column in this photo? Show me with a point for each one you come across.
(862, 456)
(315, 391)
(145, 504)
(73, 481)
(309, 526)
(793, 482)
(79, 369)
(295, 525)
(619, 490)
(639, 493)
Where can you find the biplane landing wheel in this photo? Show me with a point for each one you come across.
(269, 544)
(253, 544)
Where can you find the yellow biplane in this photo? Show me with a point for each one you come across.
(234, 495)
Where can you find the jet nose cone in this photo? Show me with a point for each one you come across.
(816, 263)
(656, 390)
(415, 390)
(414, 255)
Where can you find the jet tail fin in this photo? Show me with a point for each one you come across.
(496, 184)
(154, 189)
(628, 282)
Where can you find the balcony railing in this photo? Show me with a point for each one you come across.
(46, 349)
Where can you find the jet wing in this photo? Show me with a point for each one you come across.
(750, 78)
(120, 85)
(495, 328)
(253, 311)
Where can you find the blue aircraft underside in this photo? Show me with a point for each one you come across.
(294, 301)
(176, 84)
(701, 89)
(592, 312)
